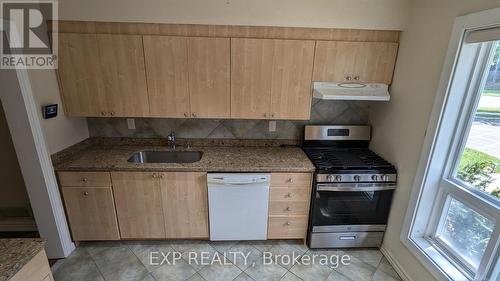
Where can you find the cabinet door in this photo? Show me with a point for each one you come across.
(291, 92)
(91, 213)
(138, 205)
(370, 61)
(209, 72)
(185, 205)
(80, 75)
(167, 75)
(271, 79)
(122, 64)
(251, 77)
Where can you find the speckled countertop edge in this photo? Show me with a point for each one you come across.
(15, 253)
(233, 156)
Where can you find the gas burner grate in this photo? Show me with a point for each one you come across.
(346, 159)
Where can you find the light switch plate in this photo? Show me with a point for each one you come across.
(272, 126)
(131, 124)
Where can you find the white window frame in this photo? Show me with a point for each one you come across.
(449, 125)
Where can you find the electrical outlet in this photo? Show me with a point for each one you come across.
(272, 126)
(131, 124)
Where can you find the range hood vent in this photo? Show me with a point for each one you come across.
(351, 91)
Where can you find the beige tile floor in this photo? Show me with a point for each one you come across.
(130, 260)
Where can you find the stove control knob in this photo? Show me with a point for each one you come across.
(338, 178)
(384, 178)
(375, 178)
(329, 178)
(356, 178)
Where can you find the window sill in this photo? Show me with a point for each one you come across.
(433, 260)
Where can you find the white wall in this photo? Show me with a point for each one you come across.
(399, 126)
(61, 131)
(362, 14)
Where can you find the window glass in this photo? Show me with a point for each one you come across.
(480, 161)
(465, 231)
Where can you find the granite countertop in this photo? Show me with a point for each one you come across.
(106, 156)
(16, 253)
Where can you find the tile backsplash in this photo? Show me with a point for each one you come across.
(323, 112)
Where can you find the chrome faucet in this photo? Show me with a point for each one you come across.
(171, 140)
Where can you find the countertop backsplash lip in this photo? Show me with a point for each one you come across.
(111, 154)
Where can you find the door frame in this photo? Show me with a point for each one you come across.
(21, 113)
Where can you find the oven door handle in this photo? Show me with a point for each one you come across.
(354, 187)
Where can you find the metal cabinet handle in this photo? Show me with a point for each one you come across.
(112, 113)
(288, 209)
(85, 179)
(265, 115)
(154, 176)
(194, 114)
(356, 78)
(290, 180)
(287, 223)
(289, 195)
(86, 193)
(348, 78)
(186, 114)
(103, 113)
(272, 115)
(161, 176)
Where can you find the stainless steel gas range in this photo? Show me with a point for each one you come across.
(352, 189)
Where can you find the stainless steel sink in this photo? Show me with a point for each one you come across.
(165, 157)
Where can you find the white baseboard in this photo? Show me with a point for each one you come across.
(17, 224)
(399, 269)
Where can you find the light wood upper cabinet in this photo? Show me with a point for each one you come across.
(342, 61)
(167, 75)
(251, 69)
(138, 205)
(291, 92)
(209, 77)
(188, 76)
(185, 204)
(80, 79)
(124, 74)
(270, 78)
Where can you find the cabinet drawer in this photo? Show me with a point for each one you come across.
(91, 213)
(287, 227)
(289, 194)
(284, 208)
(84, 179)
(291, 179)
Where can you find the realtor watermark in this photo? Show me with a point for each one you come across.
(27, 42)
(157, 258)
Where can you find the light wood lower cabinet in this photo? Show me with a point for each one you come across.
(185, 205)
(138, 205)
(170, 205)
(161, 205)
(90, 206)
(290, 195)
(91, 213)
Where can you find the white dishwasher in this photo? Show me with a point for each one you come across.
(238, 206)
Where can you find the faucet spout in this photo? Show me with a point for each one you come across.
(171, 140)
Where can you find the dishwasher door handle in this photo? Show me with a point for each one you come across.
(230, 181)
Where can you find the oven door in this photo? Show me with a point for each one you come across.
(351, 206)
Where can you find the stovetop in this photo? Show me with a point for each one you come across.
(336, 159)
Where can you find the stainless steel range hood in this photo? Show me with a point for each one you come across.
(351, 91)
